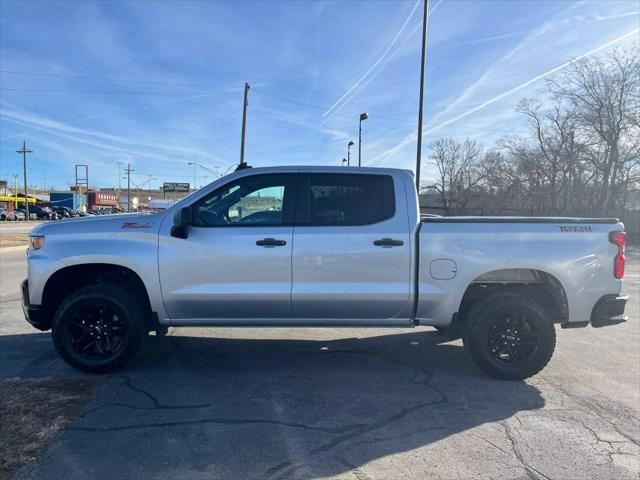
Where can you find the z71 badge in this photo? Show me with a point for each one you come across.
(575, 228)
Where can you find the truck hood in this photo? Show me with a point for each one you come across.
(100, 224)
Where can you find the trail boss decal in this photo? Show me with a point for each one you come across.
(575, 228)
(136, 225)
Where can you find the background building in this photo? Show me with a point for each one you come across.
(68, 199)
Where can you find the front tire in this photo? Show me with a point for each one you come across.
(99, 328)
(510, 336)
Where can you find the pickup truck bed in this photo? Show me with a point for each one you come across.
(570, 256)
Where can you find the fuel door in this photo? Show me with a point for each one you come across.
(443, 269)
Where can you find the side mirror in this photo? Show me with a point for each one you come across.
(181, 222)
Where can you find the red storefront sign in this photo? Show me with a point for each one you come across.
(102, 199)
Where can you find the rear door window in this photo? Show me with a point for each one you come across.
(345, 199)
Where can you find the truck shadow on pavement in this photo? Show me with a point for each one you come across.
(193, 407)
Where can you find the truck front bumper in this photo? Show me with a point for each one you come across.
(33, 313)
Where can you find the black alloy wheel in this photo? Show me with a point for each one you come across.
(513, 339)
(100, 328)
(509, 335)
(96, 331)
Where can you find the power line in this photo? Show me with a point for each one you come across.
(94, 117)
(348, 113)
(344, 113)
(103, 92)
(117, 80)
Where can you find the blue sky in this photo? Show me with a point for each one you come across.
(313, 66)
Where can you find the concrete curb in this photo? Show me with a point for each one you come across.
(13, 249)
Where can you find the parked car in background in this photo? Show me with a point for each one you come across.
(32, 214)
(62, 212)
(43, 213)
(19, 214)
(54, 215)
(5, 215)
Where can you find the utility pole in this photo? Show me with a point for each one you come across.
(15, 191)
(128, 171)
(24, 152)
(423, 59)
(245, 104)
(80, 181)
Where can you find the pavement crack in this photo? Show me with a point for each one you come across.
(156, 403)
(10, 300)
(594, 408)
(421, 376)
(210, 421)
(372, 426)
(532, 473)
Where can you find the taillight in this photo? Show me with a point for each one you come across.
(618, 239)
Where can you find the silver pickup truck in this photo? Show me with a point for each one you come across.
(321, 246)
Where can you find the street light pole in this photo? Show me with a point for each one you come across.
(195, 164)
(119, 177)
(349, 145)
(363, 116)
(423, 58)
(344, 160)
(245, 103)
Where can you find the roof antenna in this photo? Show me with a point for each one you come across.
(242, 165)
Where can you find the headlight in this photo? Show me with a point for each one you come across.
(36, 242)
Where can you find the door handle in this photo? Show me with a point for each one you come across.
(388, 242)
(270, 242)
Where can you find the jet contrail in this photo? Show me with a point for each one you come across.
(411, 138)
(351, 93)
(382, 57)
(529, 82)
(387, 60)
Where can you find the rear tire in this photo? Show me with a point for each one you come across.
(99, 328)
(509, 336)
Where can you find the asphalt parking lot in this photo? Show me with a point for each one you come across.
(339, 403)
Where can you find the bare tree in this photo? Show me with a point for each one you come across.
(581, 155)
(603, 93)
(459, 172)
(502, 184)
(546, 161)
